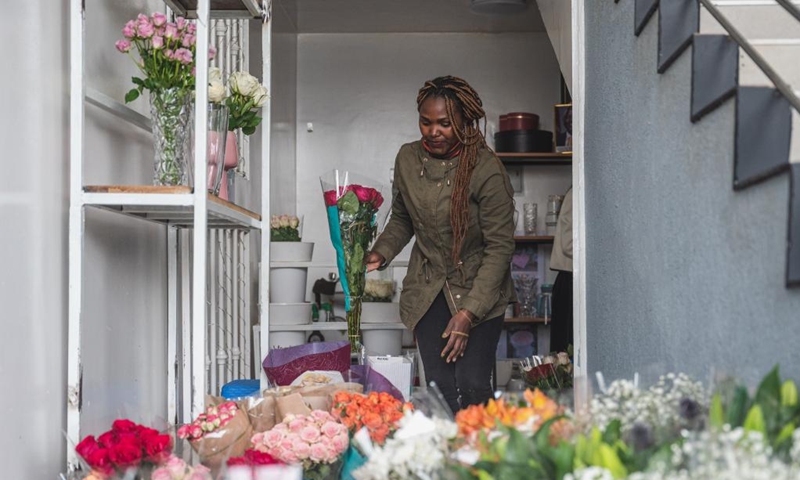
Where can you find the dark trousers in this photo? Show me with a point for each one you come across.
(561, 329)
(467, 381)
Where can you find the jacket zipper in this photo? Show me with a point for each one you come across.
(449, 292)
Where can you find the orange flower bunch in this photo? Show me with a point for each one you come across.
(538, 410)
(379, 412)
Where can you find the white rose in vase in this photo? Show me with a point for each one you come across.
(216, 92)
(214, 75)
(260, 96)
(243, 83)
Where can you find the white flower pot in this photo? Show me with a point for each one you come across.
(289, 313)
(291, 251)
(380, 312)
(383, 342)
(287, 284)
(286, 339)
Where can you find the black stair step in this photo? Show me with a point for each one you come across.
(643, 10)
(678, 21)
(793, 247)
(763, 135)
(715, 72)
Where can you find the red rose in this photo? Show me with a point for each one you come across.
(145, 432)
(158, 448)
(108, 439)
(330, 198)
(259, 458)
(131, 438)
(124, 425)
(87, 446)
(125, 455)
(364, 194)
(377, 199)
(99, 460)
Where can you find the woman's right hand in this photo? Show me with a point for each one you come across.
(374, 260)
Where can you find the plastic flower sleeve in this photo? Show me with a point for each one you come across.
(352, 204)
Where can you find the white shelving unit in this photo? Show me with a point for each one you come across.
(177, 208)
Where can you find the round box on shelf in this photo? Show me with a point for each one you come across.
(286, 339)
(290, 313)
(519, 121)
(380, 312)
(523, 141)
(383, 342)
(291, 251)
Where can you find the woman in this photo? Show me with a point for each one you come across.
(452, 193)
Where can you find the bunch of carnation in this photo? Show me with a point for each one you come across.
(177, 469)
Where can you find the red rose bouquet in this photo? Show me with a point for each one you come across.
(126, 446)
(352, 209)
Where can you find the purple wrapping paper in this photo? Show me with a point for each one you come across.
(283, 365)
(373, 381)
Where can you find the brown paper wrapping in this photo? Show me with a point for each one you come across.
(230, 440)
(262, 413)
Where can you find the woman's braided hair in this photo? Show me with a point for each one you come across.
(459, 96)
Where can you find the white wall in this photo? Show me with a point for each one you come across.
(124, 329)
(359, 91)
(557, 17)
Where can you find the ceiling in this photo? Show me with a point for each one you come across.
(396, 16)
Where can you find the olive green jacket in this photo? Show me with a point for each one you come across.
(421, 208)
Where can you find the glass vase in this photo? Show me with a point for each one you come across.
(171, 114)
(215, 152)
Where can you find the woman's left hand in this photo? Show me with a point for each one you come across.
(457, 332)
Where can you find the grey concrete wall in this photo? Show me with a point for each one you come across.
(683, 273)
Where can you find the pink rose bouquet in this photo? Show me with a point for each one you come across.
(166, 52)
(318, 441)
(220, 432)
(352, 209)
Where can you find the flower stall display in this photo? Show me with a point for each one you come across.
(127, 446)
(177, 469)
(166, 57)
(243, 97)
(352, 209)
(318, 441)
(222, 431)
(379, 413)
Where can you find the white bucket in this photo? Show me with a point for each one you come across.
(289, 313)
(383, 342)
(287, 285)
(286, 339)
(291, 251)
(380, 312)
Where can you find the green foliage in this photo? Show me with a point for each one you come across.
(284, 234)
(243, 113)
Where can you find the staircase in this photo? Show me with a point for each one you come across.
(747, 52)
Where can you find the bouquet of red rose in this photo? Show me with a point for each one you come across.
(352, 209)
(126, 446)
(553, 373)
